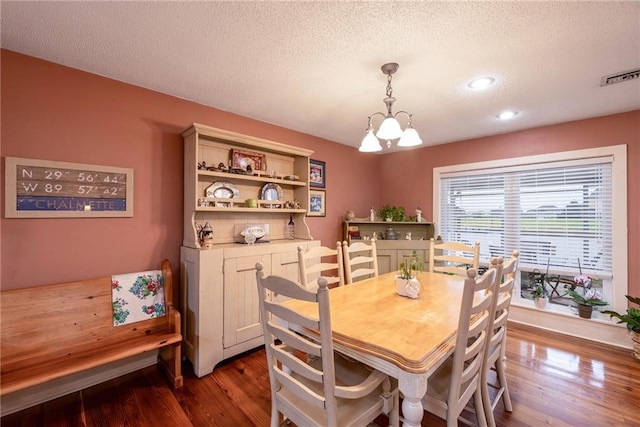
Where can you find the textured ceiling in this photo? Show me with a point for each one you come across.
(315, 66)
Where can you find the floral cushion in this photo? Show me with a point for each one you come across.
(137, 296)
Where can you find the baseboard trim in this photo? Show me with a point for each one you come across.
(41, 393)
(599, 330)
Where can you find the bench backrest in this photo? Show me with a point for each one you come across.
(39, 319)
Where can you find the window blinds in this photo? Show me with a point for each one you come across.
(558, 215)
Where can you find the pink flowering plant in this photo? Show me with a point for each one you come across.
(584, 281)
(591, 297)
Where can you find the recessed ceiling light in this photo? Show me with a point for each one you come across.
(481, 83)
(506, 115)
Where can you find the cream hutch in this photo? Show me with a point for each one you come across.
(245, 190)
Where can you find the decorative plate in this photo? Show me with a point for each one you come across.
(271, 191)
(254, 230)
(223, 190)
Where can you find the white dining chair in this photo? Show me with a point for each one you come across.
(360, 260)
(453, 257)
(321, 261)
(457, 380)
(495, 353)
(329, 392)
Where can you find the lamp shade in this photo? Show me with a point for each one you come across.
(389, 129)
(410, 138)
(370, 143)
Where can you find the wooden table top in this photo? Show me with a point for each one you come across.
(414, 335)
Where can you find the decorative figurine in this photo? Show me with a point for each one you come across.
(418, 215)
(206, 236)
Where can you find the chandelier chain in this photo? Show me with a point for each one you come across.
(389, 88)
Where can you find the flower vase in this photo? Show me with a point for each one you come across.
(541, 302)
(585, 311)
(408, 287)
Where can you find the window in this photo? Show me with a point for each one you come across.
(558, 210)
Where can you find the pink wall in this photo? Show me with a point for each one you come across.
(53, 112)
(57, 113)
(598, 132)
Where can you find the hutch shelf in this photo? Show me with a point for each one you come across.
(219, 301)
(392, 252)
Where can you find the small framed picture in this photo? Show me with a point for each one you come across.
(317, 173)
(242, 159)
(317, 203)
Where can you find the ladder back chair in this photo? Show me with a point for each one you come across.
(495, 353)
(360, 260)
(312, 265)
(457, 380)
(453, 257)
(329, 392)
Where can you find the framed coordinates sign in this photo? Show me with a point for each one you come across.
(49, 189)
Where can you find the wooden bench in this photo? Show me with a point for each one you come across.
(52, 331)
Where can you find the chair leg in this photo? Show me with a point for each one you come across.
(391, 402)
(501, 369)
(394, 416)
(477, 401)
(276, 417)
(486, 399)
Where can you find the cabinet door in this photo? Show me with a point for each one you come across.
(285, 264)
(387, 260)
(241, 306)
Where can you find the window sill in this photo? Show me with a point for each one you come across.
(560, 319)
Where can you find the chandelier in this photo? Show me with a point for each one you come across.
(390, 128)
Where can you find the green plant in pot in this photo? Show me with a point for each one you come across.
(540, 295)
(391, 213)
(586, 302)
(408, 285)
(632, 319)
(412, 263)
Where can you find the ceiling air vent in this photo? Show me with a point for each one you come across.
(620, 77)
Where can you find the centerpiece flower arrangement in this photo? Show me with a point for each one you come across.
(407, 284)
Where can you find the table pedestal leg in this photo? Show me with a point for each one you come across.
(413, 388)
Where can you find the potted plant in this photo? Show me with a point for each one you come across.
(540, 295)
(391, 213)
(406, 283)
(586, 302)
(632, 319)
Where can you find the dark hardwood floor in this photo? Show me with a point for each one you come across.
(554, 380)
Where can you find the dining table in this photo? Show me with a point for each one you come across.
(407, 339)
